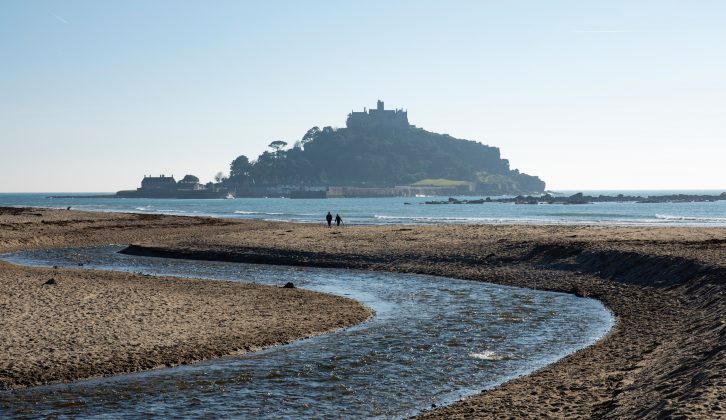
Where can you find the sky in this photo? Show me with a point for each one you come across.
(584, 94)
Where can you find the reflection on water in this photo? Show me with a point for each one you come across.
(433, 340)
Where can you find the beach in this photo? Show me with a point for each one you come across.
(664, 357)
(98, 323)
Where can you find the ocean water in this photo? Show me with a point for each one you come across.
(407, 210)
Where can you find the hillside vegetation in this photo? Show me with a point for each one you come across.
(381, 156)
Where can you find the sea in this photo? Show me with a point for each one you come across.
(406, 210)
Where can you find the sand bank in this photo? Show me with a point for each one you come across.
(666, 286)
(92, 323)
(665, 357)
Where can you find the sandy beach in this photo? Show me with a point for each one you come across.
(94, 323)
(664, 357)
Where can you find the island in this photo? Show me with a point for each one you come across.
(377, 154)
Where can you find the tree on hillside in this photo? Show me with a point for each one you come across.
(219, 177)
(277, 145)
(380, 156)
(241, 166)
(309, 136)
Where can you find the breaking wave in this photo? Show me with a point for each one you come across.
(674, 218)
(453, 220)
(261, 213)
(163, 211)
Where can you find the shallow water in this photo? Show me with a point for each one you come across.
(433, 340)
(407, 210)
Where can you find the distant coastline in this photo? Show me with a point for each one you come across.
(580, 198)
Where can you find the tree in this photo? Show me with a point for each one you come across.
(309, 136)
(219, 177)
(241, 166)
(277, 145)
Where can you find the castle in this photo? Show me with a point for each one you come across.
(378, 116)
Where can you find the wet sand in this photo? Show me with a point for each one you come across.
(665, 356)
(93, 323)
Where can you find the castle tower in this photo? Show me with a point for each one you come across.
(377, 116)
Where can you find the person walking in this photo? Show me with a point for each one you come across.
(338, 220)
(329, 219)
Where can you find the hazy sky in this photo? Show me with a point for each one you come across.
(585, 94)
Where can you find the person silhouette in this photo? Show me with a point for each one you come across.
(338, 220)
(329, 219)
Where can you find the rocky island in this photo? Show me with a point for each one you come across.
(580, 198)
(377, 154)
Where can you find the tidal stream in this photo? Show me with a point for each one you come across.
(433, 340)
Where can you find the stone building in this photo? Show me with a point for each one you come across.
(155, 183)
(378, 116)
(190, 182)
(167, 183)
(167, 187)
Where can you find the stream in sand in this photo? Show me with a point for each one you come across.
(433, 340)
